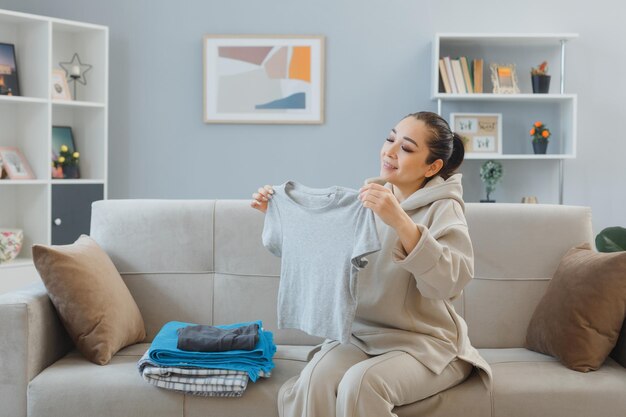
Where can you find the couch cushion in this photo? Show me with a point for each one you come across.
(91, 298)
(73, 386)
(579, 318)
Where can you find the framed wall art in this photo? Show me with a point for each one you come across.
(263, 79)
(504, 79)
(15, 164)
(481, 132)
(9, 85)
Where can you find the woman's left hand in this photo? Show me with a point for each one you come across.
(383, 203)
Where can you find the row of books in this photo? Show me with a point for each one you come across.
(457, 76)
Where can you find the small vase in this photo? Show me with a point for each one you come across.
(70, 171)
(487, 201)
(541, 83)
(540, 148)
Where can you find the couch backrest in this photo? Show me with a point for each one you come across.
(202, 261)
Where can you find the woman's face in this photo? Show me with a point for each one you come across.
(404, 153)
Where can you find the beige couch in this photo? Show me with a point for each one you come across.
(203, 261)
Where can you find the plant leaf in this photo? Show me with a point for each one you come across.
(611, 239)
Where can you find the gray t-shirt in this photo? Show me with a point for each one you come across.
(322, 236)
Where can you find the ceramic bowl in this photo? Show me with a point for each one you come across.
(10, 244)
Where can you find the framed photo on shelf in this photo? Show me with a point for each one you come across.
(504, 79)
(481, 132)
(60, 88)
(15, 164)
(62, 135)
(9, 85)
(263, 79)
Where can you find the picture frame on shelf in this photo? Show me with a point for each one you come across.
(504, 78)
(481, 132)
(263, 79)
(60, 89)
(15, 164)
(9, 81)
(63, 135)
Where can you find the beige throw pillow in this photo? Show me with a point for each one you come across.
(580, 316)
(91, 298)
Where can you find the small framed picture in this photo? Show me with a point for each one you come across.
(504, 79)
(60, 88)
(15, 164)
(481, 132)
(263, 79)
(62, 135)
(9, 85)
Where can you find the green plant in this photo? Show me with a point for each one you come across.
(611, 239)
(66, 158)
(542, 69)
(540, 133)
(491, 174)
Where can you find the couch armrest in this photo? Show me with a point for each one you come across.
(31, 338)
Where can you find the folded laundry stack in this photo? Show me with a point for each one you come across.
(214, 361)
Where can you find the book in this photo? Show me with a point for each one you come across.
(443, 76)
(466, 74)
(447, 61)
(478, 76)
(458, 76)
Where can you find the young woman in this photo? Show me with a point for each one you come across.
(407, 342)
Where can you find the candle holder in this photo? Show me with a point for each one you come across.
(75, 71)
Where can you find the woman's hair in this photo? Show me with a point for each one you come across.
(442, 144)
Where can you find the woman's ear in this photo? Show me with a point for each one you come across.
(434, 168)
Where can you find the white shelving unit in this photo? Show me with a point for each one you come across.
(40, 44)
(557, 109)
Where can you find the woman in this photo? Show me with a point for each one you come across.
(407, 342)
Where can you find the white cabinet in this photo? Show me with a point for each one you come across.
(26, 123)
(557, 109)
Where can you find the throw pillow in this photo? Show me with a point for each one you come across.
(94, 304)
(580, 316)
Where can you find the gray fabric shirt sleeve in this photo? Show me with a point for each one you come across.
(272, 236)
(365, 237)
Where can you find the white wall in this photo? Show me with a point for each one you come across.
(378, 69)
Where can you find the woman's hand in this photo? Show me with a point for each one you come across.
(261, 198)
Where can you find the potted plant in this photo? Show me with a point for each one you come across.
(67, 162)
(540, 134)
(540, 78)
(490, 174)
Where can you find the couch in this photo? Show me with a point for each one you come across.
(203, 261)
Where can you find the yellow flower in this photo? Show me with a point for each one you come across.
(545, 133)
(532, 131)
(538, 124)
(76, 155)
(61, 159)
(63, 148)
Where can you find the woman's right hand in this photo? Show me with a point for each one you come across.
(261, 198)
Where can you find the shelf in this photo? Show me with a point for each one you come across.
(77, 181)
(544, 98)
(509, 39)
(74, 103)
(23, 182)
(18, 262)
(521, 156)
(22, 99)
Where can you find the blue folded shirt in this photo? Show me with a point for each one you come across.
(163, 352)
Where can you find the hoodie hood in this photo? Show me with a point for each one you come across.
(436, 189)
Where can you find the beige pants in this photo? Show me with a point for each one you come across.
(343, 381)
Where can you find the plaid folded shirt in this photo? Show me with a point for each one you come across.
(196, 381)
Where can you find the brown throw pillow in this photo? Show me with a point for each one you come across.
(580, 316)
(91, 298)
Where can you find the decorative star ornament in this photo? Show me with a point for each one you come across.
(75, 70)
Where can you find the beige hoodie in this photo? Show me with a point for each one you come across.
(404, 300)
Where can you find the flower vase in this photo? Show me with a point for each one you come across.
(540, 147)
(70, 171)
(541, 83)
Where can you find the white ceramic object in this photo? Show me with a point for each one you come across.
(10, 244)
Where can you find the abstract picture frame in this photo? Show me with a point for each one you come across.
(63, 135)
(60, 89)
(15, 163)
(481, 132)
(504, 78)
(276, 79)
(9, 81)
